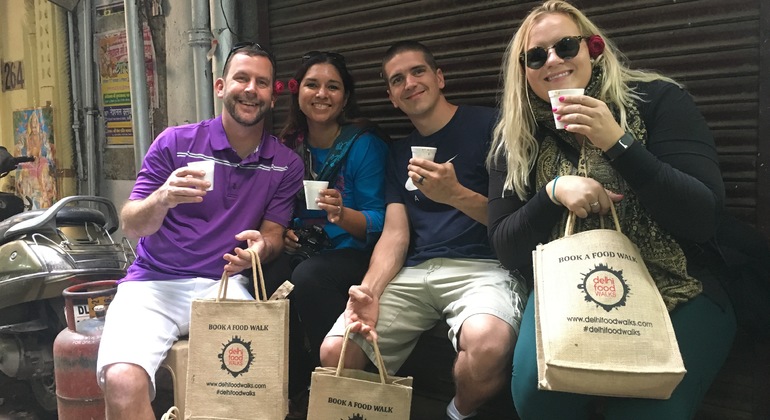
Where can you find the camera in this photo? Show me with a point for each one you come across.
(311, 239)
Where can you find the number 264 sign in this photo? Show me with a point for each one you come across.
(12, 75)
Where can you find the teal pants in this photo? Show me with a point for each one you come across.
(705, 332)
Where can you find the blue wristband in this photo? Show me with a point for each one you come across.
(553, 190)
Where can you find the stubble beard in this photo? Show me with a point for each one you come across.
(231, 103)
(416, 110)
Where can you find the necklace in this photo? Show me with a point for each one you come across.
(326, 142)
(310, 154)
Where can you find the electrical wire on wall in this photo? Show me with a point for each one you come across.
(227, 24)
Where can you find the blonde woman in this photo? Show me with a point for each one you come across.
(646, 148)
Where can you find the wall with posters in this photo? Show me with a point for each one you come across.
(112, 59)
(34, 136)
(35, 109)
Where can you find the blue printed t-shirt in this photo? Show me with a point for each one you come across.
(361, 181)
(440, 230)
(194, 237)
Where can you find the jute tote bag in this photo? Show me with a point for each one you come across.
(601, 325)
(238, 366)
(355, 394)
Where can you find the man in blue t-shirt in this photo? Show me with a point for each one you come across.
(191, 229)
(433, 260)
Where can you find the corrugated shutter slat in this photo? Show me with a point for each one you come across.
(711, 46)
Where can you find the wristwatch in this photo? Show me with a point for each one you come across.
(620, 147)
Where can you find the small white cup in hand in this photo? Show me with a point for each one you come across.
(422, 152)
(555, 95)
(428, 153)
(208, 167)
(312, 191)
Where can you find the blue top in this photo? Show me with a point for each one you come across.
(194, 237)
(361, 182)
(439, 230)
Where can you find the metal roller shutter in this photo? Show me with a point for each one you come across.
(711, 46)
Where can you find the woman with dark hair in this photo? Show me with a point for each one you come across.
(328, 250)
(297, 123)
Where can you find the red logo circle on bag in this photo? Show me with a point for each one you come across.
(605, 287)
(236, 356)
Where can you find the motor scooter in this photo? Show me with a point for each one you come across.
(42, 252)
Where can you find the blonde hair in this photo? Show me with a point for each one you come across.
(513, 137)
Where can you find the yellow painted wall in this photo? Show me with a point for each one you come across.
(35, 32)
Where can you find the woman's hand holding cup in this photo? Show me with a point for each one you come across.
(331, 201)
(581, 114)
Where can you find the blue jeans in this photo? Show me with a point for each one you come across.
(705, 333)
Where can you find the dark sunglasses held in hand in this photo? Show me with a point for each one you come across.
(566, 48)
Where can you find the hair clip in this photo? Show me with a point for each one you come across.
(278, 87)
(293, 86)
(595, 46)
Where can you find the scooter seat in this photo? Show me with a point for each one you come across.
(67, 216)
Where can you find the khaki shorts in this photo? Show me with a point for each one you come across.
(146, 317)
(441, 288)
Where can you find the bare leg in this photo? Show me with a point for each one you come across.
(485, 348)
(127, 392)
(355, 358)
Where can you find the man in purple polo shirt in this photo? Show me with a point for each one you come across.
(190, 232)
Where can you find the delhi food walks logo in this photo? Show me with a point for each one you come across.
(356, 417)
(605, 287)
(236, 356)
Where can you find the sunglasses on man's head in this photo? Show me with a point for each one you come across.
(566, 48)
(325, 54)
(248, 44)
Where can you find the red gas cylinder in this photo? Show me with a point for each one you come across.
(75, 351)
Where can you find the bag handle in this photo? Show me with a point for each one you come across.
(582, 170)
(256, 265)
(570, 225)
(171, 414)
(380, 364)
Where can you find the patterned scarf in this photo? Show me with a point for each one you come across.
(336, 157)
(558, 154)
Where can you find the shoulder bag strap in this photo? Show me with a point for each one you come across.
(339, 152)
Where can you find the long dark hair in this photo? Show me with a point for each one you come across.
(296, 122)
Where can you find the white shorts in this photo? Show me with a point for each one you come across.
(146, 317)
(440, 288)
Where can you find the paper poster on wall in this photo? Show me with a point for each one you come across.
(33, 136)
(115, 86)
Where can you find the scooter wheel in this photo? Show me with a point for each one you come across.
(44, 389)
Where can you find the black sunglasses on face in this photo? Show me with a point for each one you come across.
(326, 54)
(566, 48)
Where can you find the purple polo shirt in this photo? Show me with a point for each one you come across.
(194, 237)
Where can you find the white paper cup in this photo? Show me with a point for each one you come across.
(427, 153)
(312, 191)
(205, 165)
(555, 95)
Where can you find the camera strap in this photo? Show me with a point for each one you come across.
(336, 157)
